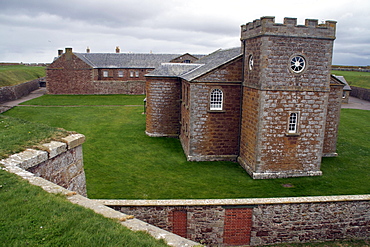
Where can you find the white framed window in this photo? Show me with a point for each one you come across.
(120, 73)
(105, 73)
(216, 100)
(297, 64)
(293, 123)
(250, 62)
(136, 73)
(131, 73)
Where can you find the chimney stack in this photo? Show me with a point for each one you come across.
(60, 52)
(88, 50)
(117, 49)
(69, 54)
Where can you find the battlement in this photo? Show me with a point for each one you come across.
(266, 26)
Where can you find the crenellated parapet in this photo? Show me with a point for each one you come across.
(266, 26)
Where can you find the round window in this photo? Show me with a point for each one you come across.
(250, 62)
(297, 64)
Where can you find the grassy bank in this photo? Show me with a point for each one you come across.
(16, 74)
(16, 135)
(122, 162)
(354, 78)
(59, 223)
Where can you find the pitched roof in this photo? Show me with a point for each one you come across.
(173, 69)
(343, 81)
(125, 60)
(203, 65)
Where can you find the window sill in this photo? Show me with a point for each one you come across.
(292, 134)
(216, 111)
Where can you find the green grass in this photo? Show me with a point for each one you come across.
(16, 135)
(65, 100)
(16, 74)
(121, 162)
(59, 223)
(354, 78)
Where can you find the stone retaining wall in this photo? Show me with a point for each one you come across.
(361, 93)
(59, 170)
(60, 163)
(256, 222)
(10, 93)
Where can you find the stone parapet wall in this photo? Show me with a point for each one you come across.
(361, 93)
(267, 26)
(257, 222)
(60, 163)
(55, 161)
(10, 93)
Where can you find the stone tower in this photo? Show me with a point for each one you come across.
(285, 96)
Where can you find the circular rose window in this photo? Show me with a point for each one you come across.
(297, 64)
(250, 62)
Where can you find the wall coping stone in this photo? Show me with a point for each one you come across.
(26, 159)
(236, 202)
(17, 163)
(55, 148)
(74, 140)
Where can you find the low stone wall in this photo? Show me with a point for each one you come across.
(256, 222)
(60, 163)
(59, 170)
(361, 93)
(10, 93)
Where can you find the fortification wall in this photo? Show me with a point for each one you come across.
(10, 93)
(256, 222)
(59, 170)
(60, 163)
(361, 93)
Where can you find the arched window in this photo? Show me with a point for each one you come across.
(216, 100)
(293, 120)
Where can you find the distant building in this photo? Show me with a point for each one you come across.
(105, 73)
(270, 104)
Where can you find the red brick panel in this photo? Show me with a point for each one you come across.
(179, 223)
(237, 228)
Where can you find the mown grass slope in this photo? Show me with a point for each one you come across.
(15, 74)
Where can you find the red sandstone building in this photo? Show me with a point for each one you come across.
(104, 73)
(270, 104)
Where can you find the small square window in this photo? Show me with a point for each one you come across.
(120, 73)
(105, 73)
(136, 73)
(131, 73)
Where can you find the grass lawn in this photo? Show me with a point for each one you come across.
(16, 74)
(354, 78)
(59, 223)
(17, 134)
(121, 162)
(86, 100)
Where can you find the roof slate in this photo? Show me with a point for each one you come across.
(125, 60)
(173, 69)
(203, 65)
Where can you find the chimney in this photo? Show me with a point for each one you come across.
(60, 52)
(69, 53)
(117, 49)
(88, 50)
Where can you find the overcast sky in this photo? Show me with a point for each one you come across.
(33, 30)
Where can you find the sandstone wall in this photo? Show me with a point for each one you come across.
(10, 93)
(256, 222)
(60, 163)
